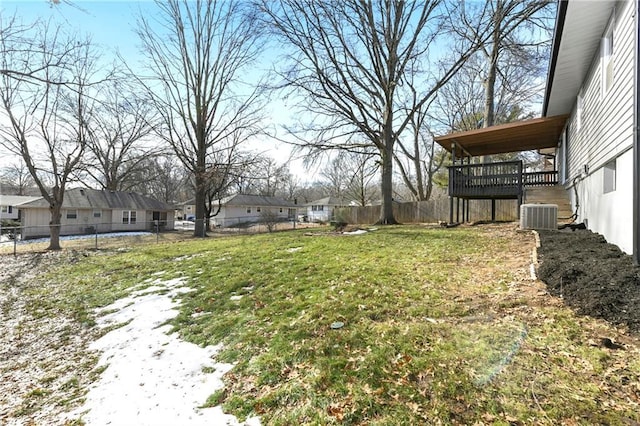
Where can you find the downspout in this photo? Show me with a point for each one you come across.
(636, 144)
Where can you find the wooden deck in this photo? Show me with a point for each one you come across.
(505, 180)
(492, 181)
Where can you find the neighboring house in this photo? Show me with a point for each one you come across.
(90, 210)
(10, 206)
(322, 210)
(187, 210)
(242, 209)
(594, 77)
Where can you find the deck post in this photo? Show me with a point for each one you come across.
(453, 163)
(467, 200)
(520, 186)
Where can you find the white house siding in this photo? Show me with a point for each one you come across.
(38, 220)
(86, 222)
(140, 225)
(606, 134)
(319, 215)
(110, 220)
(234, 215)
(11, 212)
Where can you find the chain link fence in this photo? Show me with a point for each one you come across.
(102, 236)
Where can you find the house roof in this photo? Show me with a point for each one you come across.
(256, 200)
(328, 201)
(518, 136)
(15, 200)
(579, 29)
(85, 198)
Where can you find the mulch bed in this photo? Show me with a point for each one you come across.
(592, 276)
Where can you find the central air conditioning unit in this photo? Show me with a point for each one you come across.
(539, 216)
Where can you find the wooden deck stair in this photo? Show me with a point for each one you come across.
(550, 195)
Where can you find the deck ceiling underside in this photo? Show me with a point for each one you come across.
(519, 136)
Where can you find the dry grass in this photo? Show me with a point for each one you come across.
(440, 326)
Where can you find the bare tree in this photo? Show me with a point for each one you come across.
(362, 186)
(352, 177)
(120, 143)
(291, 188)
(418, 157)
(196, 52)
(226, 169)
(269, 217)
(459, 104)
(45, 99)
(17, 177)
(162, 177)
(335, 177)
(270, 176)
(515, 30)
(349, 61)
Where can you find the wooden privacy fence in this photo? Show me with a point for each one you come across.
(431, 211)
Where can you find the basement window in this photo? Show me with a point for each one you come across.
(609, 173)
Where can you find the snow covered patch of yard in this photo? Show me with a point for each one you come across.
(151, 377)
(356, 232)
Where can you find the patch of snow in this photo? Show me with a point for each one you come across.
(356, 232)
(238, 297)
(153, 378)
(186, 257)
(294, 249)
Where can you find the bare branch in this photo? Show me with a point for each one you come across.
(196, 53)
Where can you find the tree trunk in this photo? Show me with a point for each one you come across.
(492, 68)
(489, 91)
(386, 153)
(200, 230)
(489, 88)
(386, 211)
(54, 226)
(201, 198)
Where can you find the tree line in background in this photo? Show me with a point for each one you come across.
(370, 83)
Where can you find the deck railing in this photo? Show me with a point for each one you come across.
(549, 178)
(495, 180)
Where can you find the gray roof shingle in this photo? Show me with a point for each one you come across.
(86, 198)
(256, 200)
(15, 200)
(329, 201)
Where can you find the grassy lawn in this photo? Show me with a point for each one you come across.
(402, 325)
